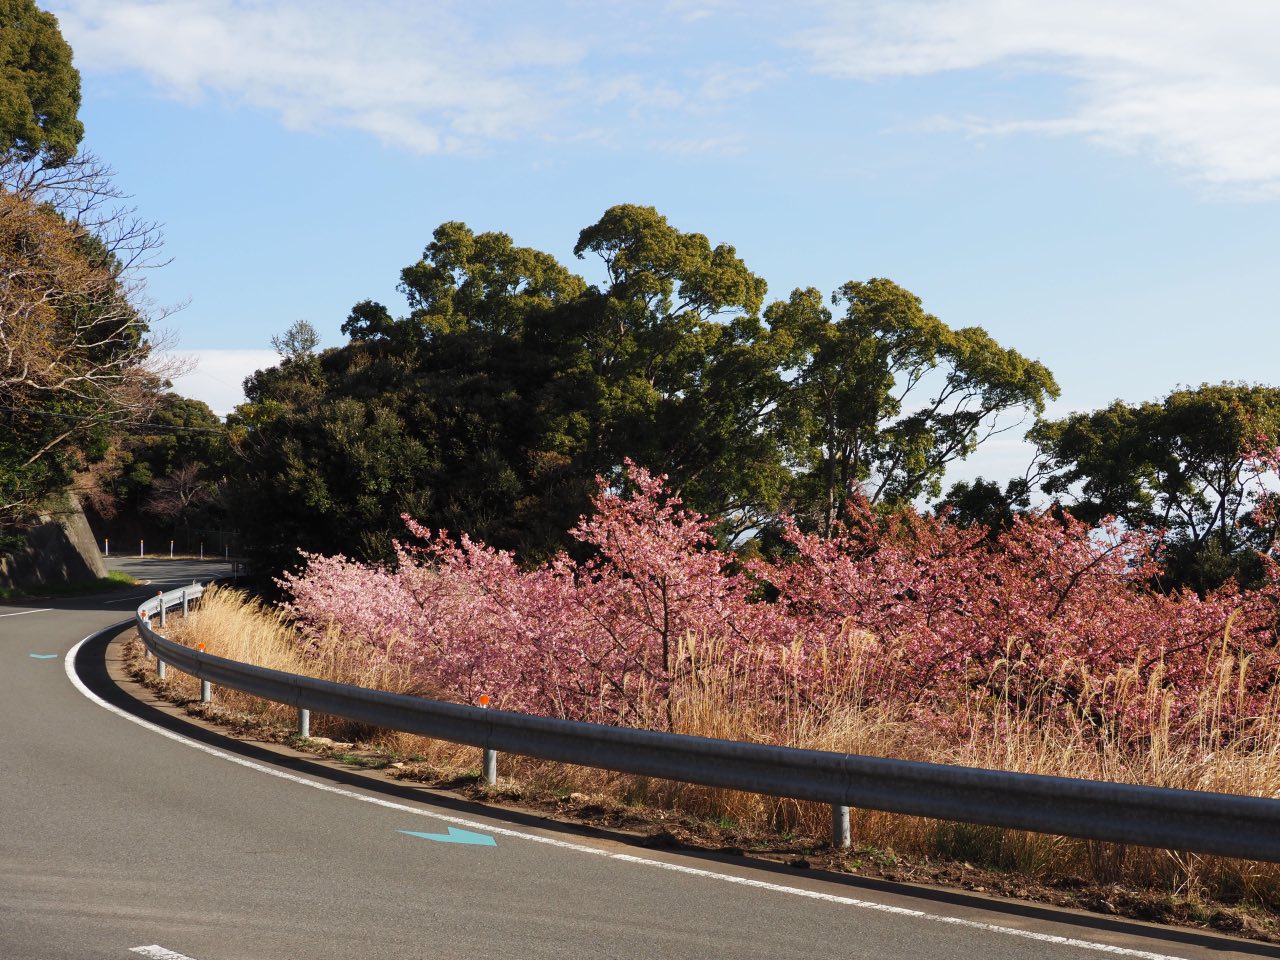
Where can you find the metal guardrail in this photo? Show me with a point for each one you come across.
(1186, 820)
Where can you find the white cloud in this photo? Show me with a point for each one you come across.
(736, 82)
(427, 76)
(1193, 84)
(415, 75)
(691, 11)
(728, 145)
(217, 375)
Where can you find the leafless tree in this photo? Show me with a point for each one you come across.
(172, 497)
(82, 192)
(76, 349)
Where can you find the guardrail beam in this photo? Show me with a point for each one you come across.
(1186, 820)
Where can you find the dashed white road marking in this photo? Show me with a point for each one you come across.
(582, 848)
(23, 613)
(157, 952)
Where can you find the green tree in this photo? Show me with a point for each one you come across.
(1179, 464)
(887, 395)
(510, 384)
(328, 455)
(183, 439)
(687, 377)
(983, 502)
(39, 87)
(487, 335)
(299, 341)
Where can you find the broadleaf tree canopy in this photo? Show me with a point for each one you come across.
(511, 383)
(39, 87)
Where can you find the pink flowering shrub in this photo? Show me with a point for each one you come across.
(590, 641)
(1052, 614)
(1051, 617)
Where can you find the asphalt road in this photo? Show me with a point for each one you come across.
(123, 838)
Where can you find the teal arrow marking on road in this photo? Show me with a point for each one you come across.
(456, 836)
(45, 656)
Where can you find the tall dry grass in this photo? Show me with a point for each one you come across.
(229, 623)
(712, 696)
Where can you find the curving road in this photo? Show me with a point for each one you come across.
(128, 832)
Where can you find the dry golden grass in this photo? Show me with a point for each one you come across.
(709, 699)
(230, 624)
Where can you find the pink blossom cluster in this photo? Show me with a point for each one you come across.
(1050, 613)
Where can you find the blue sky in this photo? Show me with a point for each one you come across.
(1096, 184)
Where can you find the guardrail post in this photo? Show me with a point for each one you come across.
(206, 691)
(841, 836)
(161, 670)
(304, 722)
(185, 606)
(160, 594)
(490, 756)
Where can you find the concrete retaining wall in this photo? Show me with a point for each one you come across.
(60, 549)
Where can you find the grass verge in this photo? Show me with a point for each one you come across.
(1235, 896)
(114, 580)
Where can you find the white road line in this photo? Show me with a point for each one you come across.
(69, 664)
(157, 952)
(23, 613)
(581, 848)
(897, 911)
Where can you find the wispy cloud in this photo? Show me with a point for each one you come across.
(430, 76)
(691, 11)
(727, 145)
(1195, 85)
(1190, 84)
(416, 75)
(736, 82)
